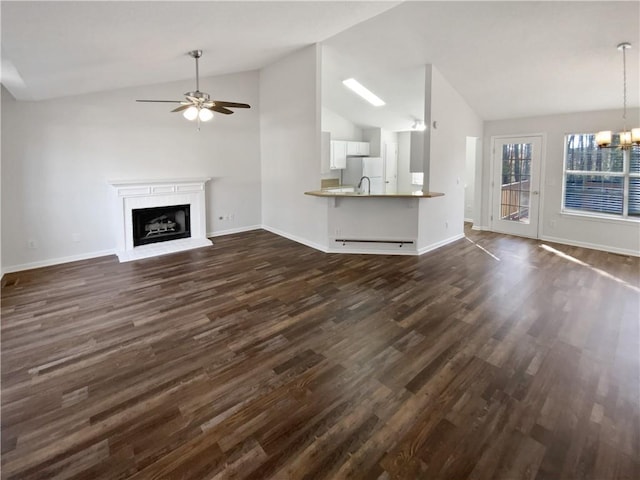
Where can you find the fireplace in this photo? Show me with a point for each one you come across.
(160, 224)
(156, 217)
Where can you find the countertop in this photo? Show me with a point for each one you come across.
(331, 194)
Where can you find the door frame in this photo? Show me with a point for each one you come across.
(385, 155)
(543, 149)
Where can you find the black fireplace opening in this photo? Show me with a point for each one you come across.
(160, 224)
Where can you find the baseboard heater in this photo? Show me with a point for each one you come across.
(400, 243)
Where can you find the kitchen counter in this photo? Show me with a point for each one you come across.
(334, 194)
(387, 223)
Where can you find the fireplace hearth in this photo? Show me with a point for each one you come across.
(160, 224)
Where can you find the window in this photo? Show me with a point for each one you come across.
(601, 181)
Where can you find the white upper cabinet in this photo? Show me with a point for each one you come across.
(341, 149)
(338, 157)
(358, 148)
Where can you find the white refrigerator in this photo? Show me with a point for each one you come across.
(373, 167)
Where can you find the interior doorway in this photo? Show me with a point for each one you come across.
(470, 178)
(390, 155)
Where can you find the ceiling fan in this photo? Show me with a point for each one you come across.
(198, 105)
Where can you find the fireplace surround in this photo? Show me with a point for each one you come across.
(156, 196)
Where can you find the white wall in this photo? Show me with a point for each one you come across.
(388, 136)
(377, 137)
(442, 218)
(340, 127)
(374, 137)
(290, 148)
(57, 156)
(612, 235)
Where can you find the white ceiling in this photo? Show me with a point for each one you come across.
(55, 49)
(507, 59)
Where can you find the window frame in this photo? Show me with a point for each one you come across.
(625, 174)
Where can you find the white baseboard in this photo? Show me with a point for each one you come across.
(230, 231)
(593, 246)
(303, 241)
(297, 239)
(480, 228)
(468, 220)
(439, 244)
(56, 261)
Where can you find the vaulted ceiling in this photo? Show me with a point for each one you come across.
(55, 49)
(507, 59)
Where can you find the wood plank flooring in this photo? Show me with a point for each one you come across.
(494, 357)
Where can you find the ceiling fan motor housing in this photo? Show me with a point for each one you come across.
(199, 95)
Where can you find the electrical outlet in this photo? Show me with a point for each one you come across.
(446, 224)
(32, 244)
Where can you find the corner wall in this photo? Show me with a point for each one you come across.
(290, 148)
(612, 235)
(442, 218)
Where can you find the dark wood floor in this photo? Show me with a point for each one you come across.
(261, 358)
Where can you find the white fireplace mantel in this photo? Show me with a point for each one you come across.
(134, 194)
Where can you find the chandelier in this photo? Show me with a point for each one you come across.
(627, 138)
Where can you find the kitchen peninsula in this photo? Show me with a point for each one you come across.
(379, 223)
(335, 194)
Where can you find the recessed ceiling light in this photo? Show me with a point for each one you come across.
(365, 93)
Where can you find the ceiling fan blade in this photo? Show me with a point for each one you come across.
(218, 109)
(231, 104)
(181, 108)
(161, 101)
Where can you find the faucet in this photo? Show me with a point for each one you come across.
(368, 184)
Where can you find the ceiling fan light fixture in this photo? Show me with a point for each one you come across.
(191, 113)
(197, 105)
(205, 114)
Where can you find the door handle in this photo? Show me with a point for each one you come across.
(536, 192)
